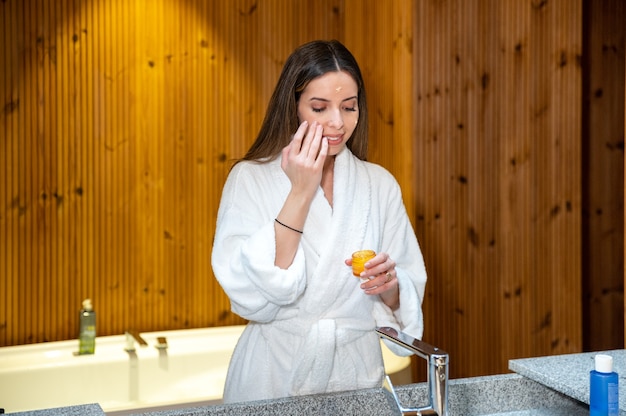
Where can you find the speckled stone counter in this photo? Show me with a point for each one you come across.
(82, 410)
(502, 395)
(509, 394)
(569, 373)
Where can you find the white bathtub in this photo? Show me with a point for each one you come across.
(190, 372)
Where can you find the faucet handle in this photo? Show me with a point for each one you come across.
(161, 343)
(437, 373)
(133, 336)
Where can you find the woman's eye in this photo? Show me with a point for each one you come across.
(350, 108)
(317, 110)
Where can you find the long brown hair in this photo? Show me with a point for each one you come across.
(307, 62)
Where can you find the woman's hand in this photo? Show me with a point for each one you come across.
(303, 163)
(381, 270)
(303, 159)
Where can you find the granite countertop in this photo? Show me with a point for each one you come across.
(569, 373)
(501, 395)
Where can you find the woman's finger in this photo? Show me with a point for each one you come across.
(297, 138)
(323, 152)
(310, 145)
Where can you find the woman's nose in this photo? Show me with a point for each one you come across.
(336, 120)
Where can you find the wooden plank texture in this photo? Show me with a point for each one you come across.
(603, 179)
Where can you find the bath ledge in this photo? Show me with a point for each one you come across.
(191, 371)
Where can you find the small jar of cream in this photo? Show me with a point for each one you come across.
(359, 258)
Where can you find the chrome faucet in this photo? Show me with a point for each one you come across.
(437, 373)
(133, 336)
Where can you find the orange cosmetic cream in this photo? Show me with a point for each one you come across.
(359, 258)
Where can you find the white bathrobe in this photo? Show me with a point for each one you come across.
(311, 327)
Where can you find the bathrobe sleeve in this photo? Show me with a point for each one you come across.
(244, 247)
(400, 242)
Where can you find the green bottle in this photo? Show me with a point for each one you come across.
(87, 333)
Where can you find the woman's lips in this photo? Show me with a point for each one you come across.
(334, 139)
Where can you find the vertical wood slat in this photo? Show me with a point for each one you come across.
(47, 150)
(149, 147)
(5, 162)
(85, 61)
(11, 126)
(25, 259)
(69, 219)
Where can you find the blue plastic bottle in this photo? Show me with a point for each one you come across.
(603, 394)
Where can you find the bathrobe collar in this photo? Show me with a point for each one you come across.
(334, 233)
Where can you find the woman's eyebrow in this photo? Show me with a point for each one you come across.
(327, 101)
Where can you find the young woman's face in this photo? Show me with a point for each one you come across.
(331, 100)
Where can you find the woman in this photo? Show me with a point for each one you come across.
(301, 201)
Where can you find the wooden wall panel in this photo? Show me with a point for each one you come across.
(120, 123)
(603, 180)
(121, 119)
(497, 119)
